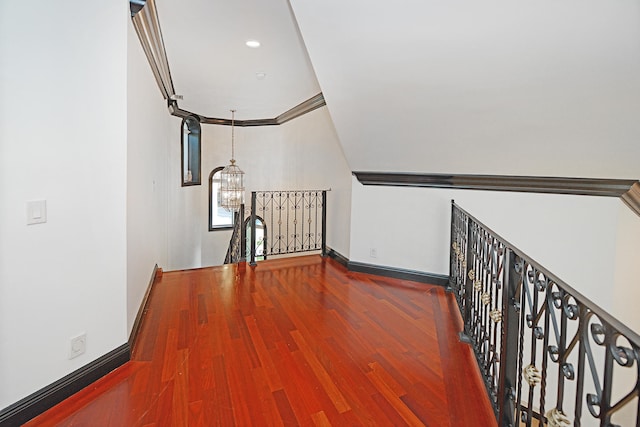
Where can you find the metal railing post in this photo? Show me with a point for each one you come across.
(451, 241)
(509, 342)
(253, 229)
(243, 235)
(468, 280)
(324, 223)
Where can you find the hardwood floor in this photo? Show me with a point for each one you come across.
(297, 341)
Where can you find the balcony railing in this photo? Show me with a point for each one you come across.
(548, 355)
(294, 221)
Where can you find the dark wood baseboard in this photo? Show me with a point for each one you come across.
(396, 273)
(49, 396)
(157, 272)
(338, 257)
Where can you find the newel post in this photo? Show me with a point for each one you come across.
(253, 229)
(450, 285)
(243, 235)
(510, 334)
(324, 223)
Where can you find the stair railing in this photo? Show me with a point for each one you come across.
(237, 245)
(544, 350)
(296, 221)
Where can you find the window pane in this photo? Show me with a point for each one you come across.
(220, 217)
(191, 151)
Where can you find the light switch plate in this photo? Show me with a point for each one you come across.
(36, 212)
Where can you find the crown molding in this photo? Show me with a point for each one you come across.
(301, 109)
(526, 184)
(631, 198)
(628, 190)
(145, 21)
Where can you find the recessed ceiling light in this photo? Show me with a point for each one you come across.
(261, 75)
(253, 43)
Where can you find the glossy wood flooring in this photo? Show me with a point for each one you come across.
(297, 341)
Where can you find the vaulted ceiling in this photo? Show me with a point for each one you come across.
(526, 88)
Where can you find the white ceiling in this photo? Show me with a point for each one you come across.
(214, 70)
(534, 87)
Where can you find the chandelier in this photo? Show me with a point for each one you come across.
(232, 179)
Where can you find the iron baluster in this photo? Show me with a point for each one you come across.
(468, 282)
(510, 337)
(287, 203)
(243, 235)
(530, 281)
(605, 400)
(519, 267)
(453, 244)
(324, 221)
(548, 304)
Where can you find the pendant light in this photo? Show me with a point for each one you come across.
(232, 179)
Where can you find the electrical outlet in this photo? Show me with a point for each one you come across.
(373, 253)
(78, 346)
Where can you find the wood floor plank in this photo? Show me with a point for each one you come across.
(394, 400)
(295, 341)
(321, 374)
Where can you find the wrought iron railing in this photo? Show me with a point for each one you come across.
(545, 351)
(237, 245)
(294, 221)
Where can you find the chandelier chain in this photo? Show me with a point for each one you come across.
(233, 156)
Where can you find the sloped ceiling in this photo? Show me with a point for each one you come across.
(524, 88)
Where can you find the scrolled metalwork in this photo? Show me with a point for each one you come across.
(568, 371)
(597, 333)
(295, 220)
(521, 318)
(593, 402)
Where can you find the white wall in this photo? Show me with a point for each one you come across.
(184, 234)
(147, 160)
(63, 136)
(626, 282)
(578, 238)
(301, 154)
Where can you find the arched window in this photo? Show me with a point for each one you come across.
(191, 150)
(261, 238)
(219, 217)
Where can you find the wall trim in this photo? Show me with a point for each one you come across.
(301, 109)
(399, 273)
(632, 198)
(526, 184)
(341, 259)
(135, 330)
(147, 25)
(385, 271)
(49, 396)
(628, 190)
